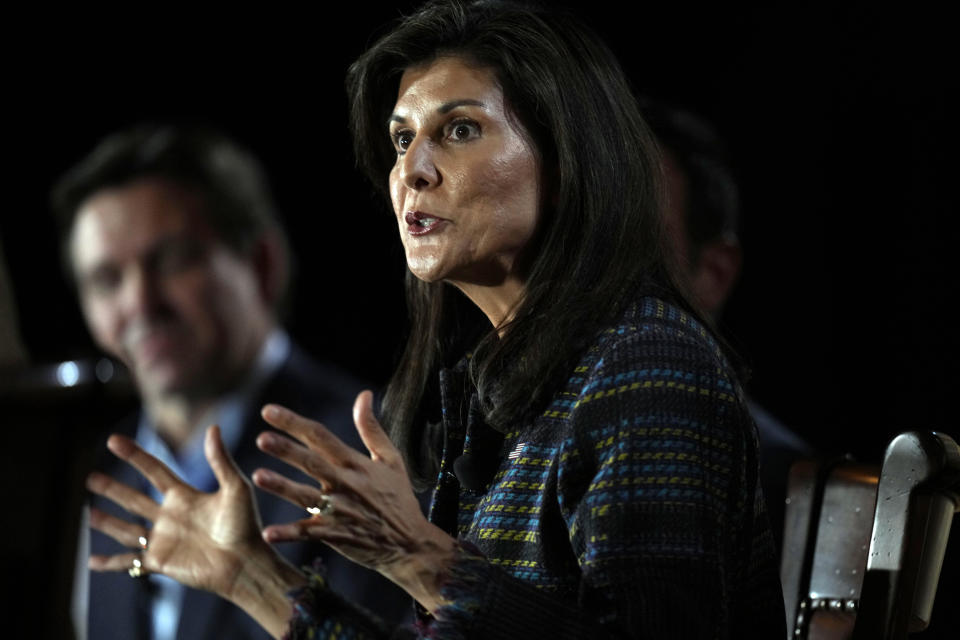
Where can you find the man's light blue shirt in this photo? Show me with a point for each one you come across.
(191, 464)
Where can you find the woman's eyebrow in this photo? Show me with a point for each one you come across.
(446, 107)
(453, 104)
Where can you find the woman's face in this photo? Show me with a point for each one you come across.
(466, 184)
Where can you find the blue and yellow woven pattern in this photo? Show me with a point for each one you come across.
(628, 505)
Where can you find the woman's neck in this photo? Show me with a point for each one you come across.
(498, 302)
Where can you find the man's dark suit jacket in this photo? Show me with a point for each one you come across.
(119, 605)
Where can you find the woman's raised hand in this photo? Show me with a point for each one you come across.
(208, 541)
(367, 508)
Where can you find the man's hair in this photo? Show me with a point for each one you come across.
(599, 239)
(236, 198)
(713, 199)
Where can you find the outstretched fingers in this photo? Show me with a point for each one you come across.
(374, 438)
(118, 562)
(329, 529)
(126, 533)
(296, 493)
(152, 469)
(335, 531)
(296, 455)
(311, 433)
(130, 499)
(291, 531)
(225, 468)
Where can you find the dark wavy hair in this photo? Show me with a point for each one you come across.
(600, 240)
(237, 200)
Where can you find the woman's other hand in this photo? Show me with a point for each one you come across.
(207, 541)
(372, 514)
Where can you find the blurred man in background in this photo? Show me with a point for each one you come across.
(181, 267)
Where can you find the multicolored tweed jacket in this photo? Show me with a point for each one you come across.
(628, 509)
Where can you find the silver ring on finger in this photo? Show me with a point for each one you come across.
(324, 506)
(137, 570)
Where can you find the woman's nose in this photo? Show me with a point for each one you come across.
(418, 169)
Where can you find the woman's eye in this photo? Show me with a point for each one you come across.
(463, 130)
(402, 140)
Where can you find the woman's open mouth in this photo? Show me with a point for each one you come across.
(419, 223)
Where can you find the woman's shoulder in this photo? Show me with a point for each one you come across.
(652, 330)
(657, 367)
(654, 347)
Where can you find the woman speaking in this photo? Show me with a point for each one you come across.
(593, 463)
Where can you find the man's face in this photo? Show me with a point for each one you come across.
(162, 293)
(711, 271)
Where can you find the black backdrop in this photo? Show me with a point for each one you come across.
(837, 120)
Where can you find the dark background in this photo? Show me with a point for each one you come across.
(837, 120)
